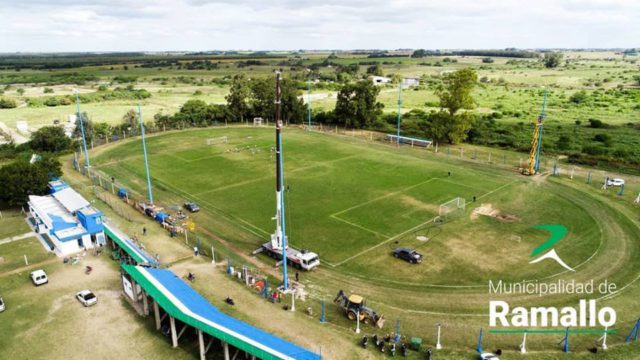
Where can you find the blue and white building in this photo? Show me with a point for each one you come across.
(65, 220)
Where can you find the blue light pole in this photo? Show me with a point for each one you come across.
(84, 139)
(146, 161)
(399, 111)
(309, 103)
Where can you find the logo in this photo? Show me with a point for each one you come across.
(558, 232)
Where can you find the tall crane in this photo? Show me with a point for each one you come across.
(536, 140)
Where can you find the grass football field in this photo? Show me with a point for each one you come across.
(352, 202)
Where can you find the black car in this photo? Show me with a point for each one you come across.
(191, 206)
(407, 254)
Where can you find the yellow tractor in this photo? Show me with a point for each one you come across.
(354, 305)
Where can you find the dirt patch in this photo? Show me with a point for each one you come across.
(415, 203)
(489, 210)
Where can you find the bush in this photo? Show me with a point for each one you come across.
(603, 138)
(7, 103)
(597, 124)
(487, 60)
(579, 97)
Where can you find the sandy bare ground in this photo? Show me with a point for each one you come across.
(17, 137)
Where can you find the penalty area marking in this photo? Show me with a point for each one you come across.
(406, 231)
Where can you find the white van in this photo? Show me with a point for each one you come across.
(39, 277)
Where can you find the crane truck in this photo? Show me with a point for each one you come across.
(278, 248)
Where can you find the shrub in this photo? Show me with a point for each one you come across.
(7, 103)
(579, 97)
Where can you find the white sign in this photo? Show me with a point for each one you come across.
(128, 289)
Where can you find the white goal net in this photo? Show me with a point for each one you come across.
(452, 209)
(217, 140)
(258, 121)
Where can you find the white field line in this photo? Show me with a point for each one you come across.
(18, 237)
(497, 189)
(406, 231)
(272, 177)
(384, 242)
(383, 196)
(200, 200)
(359, 226)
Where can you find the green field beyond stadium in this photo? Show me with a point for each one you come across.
(353, 202)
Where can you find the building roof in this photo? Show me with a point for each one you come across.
(70, 199)
(55, 216)
(185, 304)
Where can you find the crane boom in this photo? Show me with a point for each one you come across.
(536, 140)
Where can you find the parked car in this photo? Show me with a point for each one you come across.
(191, 206)
(39, 277)
(407, 254)
(1, 304)
(87, 298)
(615, 182)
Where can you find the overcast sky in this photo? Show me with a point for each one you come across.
(133, 25)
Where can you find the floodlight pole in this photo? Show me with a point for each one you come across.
(399, 112)
(309, 103)
(84, 139)
(146, 160)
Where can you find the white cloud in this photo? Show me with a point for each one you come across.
(120, 25)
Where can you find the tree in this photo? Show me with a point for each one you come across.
(50, 139)
(487, 60)
(357, 105)
(419, 53)
(263, 95)
(293, 107)
(455, 90)
(20, 91)
(455, 94)
(238, 97)
(193, 112)
(552, 59)
(130, 120)
(88, 127)
(101, 130)
(375, 70)
(20, 179)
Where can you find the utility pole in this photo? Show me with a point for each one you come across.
(399, 112)
(309, 102)
(84, 139)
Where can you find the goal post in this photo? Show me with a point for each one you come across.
(217, 140)
(451, 209)
(258, 121)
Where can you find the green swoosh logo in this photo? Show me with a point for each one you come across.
(557, 233)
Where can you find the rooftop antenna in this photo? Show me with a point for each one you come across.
(84, 139)
(146, 160)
